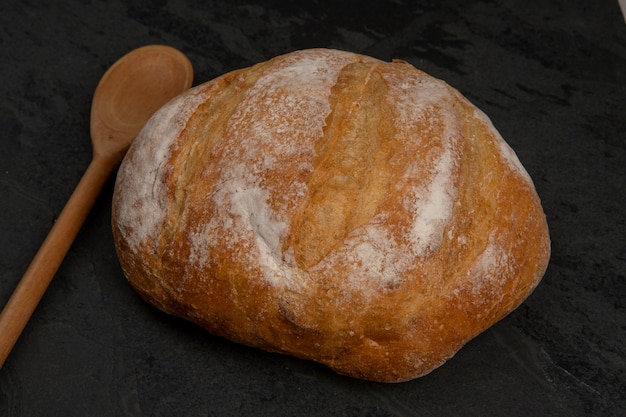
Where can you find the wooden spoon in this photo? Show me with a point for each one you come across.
(129, 93)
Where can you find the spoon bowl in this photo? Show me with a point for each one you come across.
(136, 86)
(128, 94)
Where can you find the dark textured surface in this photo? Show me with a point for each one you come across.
(551, 75)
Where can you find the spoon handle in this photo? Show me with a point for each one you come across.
(46, 262)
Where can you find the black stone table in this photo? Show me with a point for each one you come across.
(551, 74)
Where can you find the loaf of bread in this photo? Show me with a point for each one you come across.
(334, 207)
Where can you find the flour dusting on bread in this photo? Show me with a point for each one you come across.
(145, 189)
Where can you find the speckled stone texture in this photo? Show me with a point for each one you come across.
(551, 75)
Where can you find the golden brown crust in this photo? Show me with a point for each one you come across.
(333, 207)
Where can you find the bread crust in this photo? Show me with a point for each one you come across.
(334, 207)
